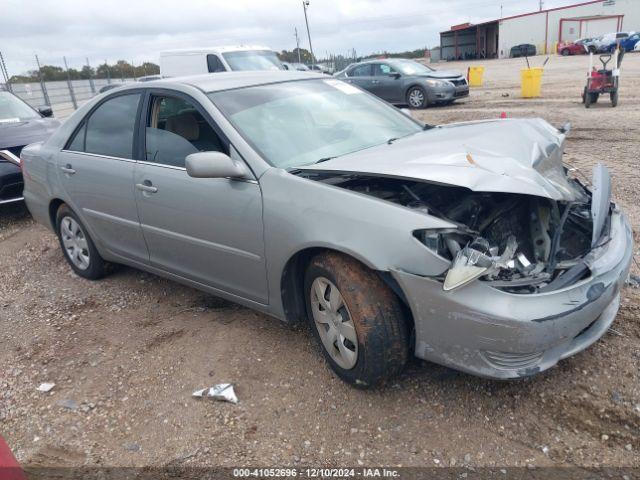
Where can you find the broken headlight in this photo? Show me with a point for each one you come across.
(443, 242)
(477, 259)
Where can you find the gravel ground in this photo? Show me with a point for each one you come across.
(126, 353)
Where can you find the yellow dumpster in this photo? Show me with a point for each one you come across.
(475, 76)
(531, 82)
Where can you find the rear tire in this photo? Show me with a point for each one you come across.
(565, 52)
(78, 247)
(346, 301)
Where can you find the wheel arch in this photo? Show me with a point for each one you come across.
(54, 205)
(292, 283)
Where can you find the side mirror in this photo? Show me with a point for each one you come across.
(395, 75)
(214, 165)
(45, 111)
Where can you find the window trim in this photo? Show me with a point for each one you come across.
(87, 116)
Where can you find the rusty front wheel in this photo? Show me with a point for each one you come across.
(358, 321)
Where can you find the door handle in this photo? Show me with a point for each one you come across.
(68, 169)
(146, 187)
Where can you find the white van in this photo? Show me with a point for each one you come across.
(195, 61)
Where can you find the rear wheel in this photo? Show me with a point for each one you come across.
(564, 52)
(358, 321)
(614, 98)
(417, 97)
(79, 250)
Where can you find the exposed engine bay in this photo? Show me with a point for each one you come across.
(520, 243)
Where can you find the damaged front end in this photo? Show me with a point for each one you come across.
(518, 243)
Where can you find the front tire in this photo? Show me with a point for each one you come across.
(417, 97)
(357, 320)
(78, 247)
(564, 52)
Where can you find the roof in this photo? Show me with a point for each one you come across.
(457, 27)
(215, 49)
(212, 82)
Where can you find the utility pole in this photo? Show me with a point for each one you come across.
(500, 12)
(295, 30)
(305, 5)
(541, 4)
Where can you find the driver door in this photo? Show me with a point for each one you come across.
(385, 85)
(208, 230)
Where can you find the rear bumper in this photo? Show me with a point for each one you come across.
(491, 333)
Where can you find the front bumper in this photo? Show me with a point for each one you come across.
(491, 333)
(447, 94)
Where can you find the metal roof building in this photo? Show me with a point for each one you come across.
(544, 29)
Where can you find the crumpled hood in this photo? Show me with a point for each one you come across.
(513, 156)
(24, 132)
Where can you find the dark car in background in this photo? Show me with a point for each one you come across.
(20, 125)
(406, 82)
(523, 50)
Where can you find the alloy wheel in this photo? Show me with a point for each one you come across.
(416, 98)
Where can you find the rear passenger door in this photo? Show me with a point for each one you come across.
(96, 170)
(385, 85)
(208, 230)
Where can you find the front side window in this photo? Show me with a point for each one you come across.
(302, 122)
(176, 129)
(12, 109)
(382, 70)
(253, 60)
(214, 64)
(361, 71)
(109, 130)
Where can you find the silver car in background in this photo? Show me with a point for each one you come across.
(308, 199)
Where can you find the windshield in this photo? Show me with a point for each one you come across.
(409, 67)
(12, 109)
(302, 122)
(253, 60)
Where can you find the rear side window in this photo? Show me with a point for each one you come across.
(361, 71)
(109, 130)
(214, 64)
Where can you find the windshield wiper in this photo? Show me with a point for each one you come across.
(325, 159)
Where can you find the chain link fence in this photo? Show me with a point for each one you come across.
(62, 96)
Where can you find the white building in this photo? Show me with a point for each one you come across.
(544, 29)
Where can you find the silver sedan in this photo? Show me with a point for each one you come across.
(310, 200)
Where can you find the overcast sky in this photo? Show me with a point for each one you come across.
(137, 30)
